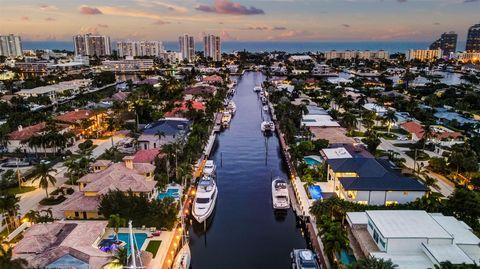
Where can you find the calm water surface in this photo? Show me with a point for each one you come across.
(244, 231)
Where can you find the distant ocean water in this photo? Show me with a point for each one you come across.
(259, 46)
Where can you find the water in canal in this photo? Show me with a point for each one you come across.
(244, 232)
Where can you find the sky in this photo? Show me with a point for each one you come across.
(242, 20)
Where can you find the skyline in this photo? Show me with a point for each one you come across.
(239, 20)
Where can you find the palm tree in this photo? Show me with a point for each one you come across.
(112, 126)
(120, 257)
(333, 236)
(43, 171)
(374, 263)
(390, 118)
(349, 121)
(9, 206)
(6, 260)
(160, 135)
(427, 134)
(115, 221)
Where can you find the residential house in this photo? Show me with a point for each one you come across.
(169, 129)
(213, 79)
(107, 176)
(83, 121)
(63, 244)
(147, 156)
(196, 92)
(372, 181)
(182, 107)
(440, 134)
(412, 239)
(17, 139)
(377, 109)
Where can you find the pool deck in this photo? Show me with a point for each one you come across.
(166, 237)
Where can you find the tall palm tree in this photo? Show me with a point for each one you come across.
(120, 258)
(9, 206)
(42, 172)
(349, 121)
(427, 134)
(333, 236)
(112, 126)
(390, 118)
(374, 263)
(6, 260)
(115, 222)
(160, 135)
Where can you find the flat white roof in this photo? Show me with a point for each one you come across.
(357, 218)
(319, 121)
(443, 253)
(460, 231)
(419, 261)
(406, 224)
(375, 107)
(336, 153)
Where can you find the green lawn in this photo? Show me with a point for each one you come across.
(17, 190)
(153, 246)
(388, 136)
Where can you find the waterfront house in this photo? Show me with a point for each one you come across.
(107, 176)
(412, 239)
(377, 109)
(17, 139)
(147, 156)
(83, 122)
(171, 130)
(61, 243)
(372, 181)
(213, 79)
(199, 91)
(181, 107)
(440, 134)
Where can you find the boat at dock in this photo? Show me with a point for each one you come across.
(265, 108)
(183, 258)
(280, 196)
(304, 259)
(267, 126)
(257, 89)
(209, 168)
(227, 117)
(231, 107)
(205, 199)
(264, 100)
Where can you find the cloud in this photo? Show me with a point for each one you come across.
(86, 10)
(346, 25)
(24, 18)
(471, 1)
(102, 25)
(436, 23)
(49, 19)
(89, 30)
(227, 36)
(265, 28)
(44, 7)
(160, 22)
(171, 7)
(230, 8)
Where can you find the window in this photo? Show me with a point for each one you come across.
(76, 214)
(375, 236)
(405, 193)
(387, 203)
(370, 225)
(382, 243)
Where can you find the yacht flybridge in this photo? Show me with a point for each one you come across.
(280, 197)
(231, 107)
(257, 89)
(209, 168)
(304, 259)
(267, 126)
(205, 199)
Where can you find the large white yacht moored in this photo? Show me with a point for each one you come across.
(205, 199)
(280, 197)
(231, 107)
(304, 259)
(267, 126)
(226, 118)
(209, 168)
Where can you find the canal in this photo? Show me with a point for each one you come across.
(244, 231)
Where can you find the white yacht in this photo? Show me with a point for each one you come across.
(304, 259)
(232, 107)
(280, 197)
(227, 117)
(264, 100)
(209, 168)
(267, 126)
(257, 89)
(182, 260)
(265, 108)
(205, 199)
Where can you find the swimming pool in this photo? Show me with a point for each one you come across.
(139, 237)
(346, 257)
(169, 193)
(312, 160)
(315, 192)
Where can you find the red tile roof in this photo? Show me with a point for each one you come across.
(75, 116)
(183, 107)
(146, 155)
(413, 128)
(202, 89)
(26, 132)
(213, 78)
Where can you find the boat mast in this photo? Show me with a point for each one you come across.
(132, 245)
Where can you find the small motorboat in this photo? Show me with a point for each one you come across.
(226, 118)
(303, 259)
(264, 100)
(280, 197)
(209, 168)
(205, 199)
(183, 258)
(267, 126)
(265, 108)
(257, 89)
(231, 107)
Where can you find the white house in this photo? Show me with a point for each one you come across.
(310, 120)
(413, 239)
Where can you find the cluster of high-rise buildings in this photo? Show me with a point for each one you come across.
(211, 43)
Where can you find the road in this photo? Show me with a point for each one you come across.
(31, 199)
(445, 187)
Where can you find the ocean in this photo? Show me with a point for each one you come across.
(260, 46)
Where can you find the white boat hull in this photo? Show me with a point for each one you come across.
(183, 258)
(201, 212)
(280, 196)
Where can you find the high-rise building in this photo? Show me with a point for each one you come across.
(187, 47)
(356, 54)
(10, 45)
(473, 39)
(212, 46)
(140, 48)
(92, 44)
(447, 43)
